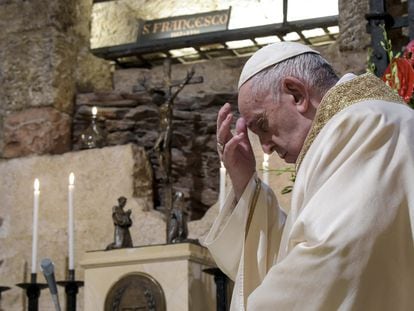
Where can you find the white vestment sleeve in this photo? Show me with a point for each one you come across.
(348, 243)
(226, 236)
(246, 257)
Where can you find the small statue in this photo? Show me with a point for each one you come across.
(163, 144)
(178, 230)
(122, 222)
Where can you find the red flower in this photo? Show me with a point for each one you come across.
(399, 75)
(409, 52)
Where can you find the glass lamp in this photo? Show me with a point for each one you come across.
(93, 136)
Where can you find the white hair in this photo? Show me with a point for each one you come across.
(312, 69)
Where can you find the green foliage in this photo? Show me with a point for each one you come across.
(292, 178)
(370, 64)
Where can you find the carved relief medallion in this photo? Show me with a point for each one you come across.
(135, 292)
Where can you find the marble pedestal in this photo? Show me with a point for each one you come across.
(176, 267)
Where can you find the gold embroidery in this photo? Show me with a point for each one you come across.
(364, 87)
(252, 205)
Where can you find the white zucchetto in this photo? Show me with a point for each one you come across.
(271, 55)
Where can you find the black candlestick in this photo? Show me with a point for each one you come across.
(221, 287)
(33, 291)
(71, 289)
(3, 289)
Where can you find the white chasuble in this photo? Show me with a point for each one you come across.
(347, 243)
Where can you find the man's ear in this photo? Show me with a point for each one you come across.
(298, 90)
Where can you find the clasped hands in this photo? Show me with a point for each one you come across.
(235, 149)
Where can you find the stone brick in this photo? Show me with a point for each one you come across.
(36, 131)
(92, 73)
(43, 77)
(225, 82)
(352, 25)
(22, 16)
(143, 112)
(113, 23)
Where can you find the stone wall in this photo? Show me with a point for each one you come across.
(44, 60)
(128, 117)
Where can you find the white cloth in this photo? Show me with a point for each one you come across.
(348, 240)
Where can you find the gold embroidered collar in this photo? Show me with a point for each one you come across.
(341, 96)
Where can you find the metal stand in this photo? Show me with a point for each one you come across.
(221, 287)
(33, 292)
(71, 289)
(3, 289)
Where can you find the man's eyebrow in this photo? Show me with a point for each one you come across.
(255, 118)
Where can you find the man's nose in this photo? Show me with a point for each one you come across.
(266, 147)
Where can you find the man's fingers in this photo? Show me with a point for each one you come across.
(222, 114)
(224, 121)
(237, 141)
(241, 126)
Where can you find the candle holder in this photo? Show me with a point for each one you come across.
(33, 291)
(71, 289)
(221, 287)
(3, 289)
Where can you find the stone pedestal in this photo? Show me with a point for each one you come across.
(177, 268)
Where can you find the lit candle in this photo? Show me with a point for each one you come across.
(265, 166)
(222, 195)
(94, 112)
(35, 224)
(71, 188)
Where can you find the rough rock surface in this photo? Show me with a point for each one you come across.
(133, 118)
(352, 25)
(36, 131)
(44, 57)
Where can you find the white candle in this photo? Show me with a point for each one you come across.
(265, 166)
(36, 194)
(71, 189)
(222, 194)
(94, 111)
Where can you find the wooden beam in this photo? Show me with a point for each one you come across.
(163, 45)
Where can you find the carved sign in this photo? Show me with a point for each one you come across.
(184, 25)
(135, 291)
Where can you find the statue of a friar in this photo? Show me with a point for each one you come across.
(122, 221)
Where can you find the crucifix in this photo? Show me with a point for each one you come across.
(162, 145)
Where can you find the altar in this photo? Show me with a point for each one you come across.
(160, 277)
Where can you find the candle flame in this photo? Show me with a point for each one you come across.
(94, 111)
(71, 179)
(36, 185)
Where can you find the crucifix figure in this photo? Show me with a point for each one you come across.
(162, 145)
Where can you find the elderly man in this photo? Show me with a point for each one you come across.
(346, 242)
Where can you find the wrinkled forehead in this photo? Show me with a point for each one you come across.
(249, 103)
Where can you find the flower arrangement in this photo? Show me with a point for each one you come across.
(399, 75)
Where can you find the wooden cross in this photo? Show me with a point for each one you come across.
(170, 89)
